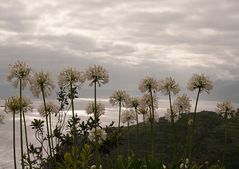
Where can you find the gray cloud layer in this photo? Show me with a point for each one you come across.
(130, 38)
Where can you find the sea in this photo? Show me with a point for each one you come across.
(111, 114)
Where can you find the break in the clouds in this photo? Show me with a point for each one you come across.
(130, 38)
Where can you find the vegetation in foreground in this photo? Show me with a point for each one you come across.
(179, 140)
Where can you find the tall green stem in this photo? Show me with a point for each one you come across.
(193, 128)
(72, 101)
(14, 140)
(225, 138)
(47, 123)
(52, 146)
(128, 138)
(119, 114)
(73, 116)
(21, 137)
(117, 137)
(96, 140)
(137, 122)
(152, 123)
(173, 129)
(28, 154)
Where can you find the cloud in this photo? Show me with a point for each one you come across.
(131, 38)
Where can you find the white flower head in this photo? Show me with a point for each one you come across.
(174, 115)
(226, 110)
(128, 116)
(20, 70)
(119, 96)
(147, 84)
(97, 133)
(13, 104)
(51, 107)
(146, 101)
(70, 76)
(183, 104)
(168, 85)
(98, 74)
(100, 108)
(164, 166)
(41, 81)
(133, 102)
(190, 122)
(201, 82)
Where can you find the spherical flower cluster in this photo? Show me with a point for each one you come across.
(128, 116)
(190, 122)
(182, 103)
(201, 82)
(147, 84)
(174, 115)
(41, 81)
(97, 74)
(51, 107)
(133, 102)
(69, 77)
(226, 110)
(168, 85)
(146, 101)
(119, 96)
(143, 110)
(98, 133)
(19, 71)
(100, 108)
(13, 104)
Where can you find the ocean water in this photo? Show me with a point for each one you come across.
(111, 114)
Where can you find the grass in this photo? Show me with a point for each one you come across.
(208, 143)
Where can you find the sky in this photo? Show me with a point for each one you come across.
(130, 38)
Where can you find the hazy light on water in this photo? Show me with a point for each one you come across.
(6, 160)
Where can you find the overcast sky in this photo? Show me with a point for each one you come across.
(130, 38)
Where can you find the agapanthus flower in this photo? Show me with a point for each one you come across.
(51, 107)
(41, 80)
(168, 85)
(119, 96)
(174, 115)
(146, 101)
(147, 84)
(185, 164)
(12, 104)
(97, 133)
(128, 116)
(182, 103)
(143, 110)
(1, 118)
(100, 108)
(69, 77)
(133, 102)
(19, 71)
(226, 110)
(190, 122)
(201, 82)
(97, 74)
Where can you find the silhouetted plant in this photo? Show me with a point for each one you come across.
(19, 75)
(97, 75)
(201, 83)
(128, 117)
(134, 102)
(227, 111)
(167, 87)
(41, 83)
